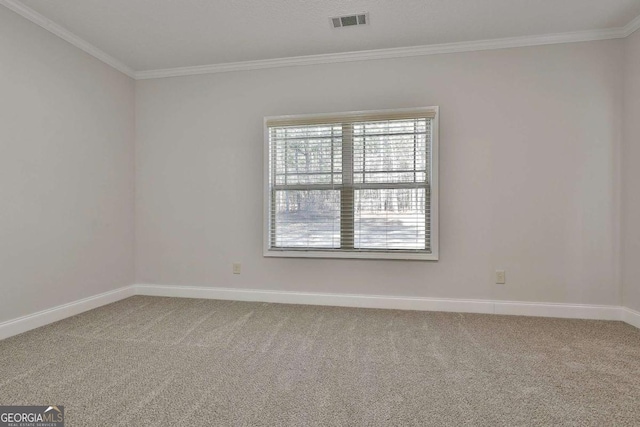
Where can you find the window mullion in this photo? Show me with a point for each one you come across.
(272, 195)
(347, 193)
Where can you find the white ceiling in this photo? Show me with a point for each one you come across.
(159, 34)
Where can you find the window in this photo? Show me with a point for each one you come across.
(352, 185)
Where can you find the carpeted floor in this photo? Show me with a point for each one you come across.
(148, 361)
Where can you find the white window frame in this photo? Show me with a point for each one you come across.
(360, 254)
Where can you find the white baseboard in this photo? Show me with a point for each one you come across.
(567, 311)
(308, 298)
(518, 308)
(630, 316)
(45, 317)
(573, 311)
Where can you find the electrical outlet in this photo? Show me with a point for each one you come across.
(236, 268)
(501, 277)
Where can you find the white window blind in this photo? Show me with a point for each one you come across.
(352, 185)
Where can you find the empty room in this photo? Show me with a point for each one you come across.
(319, 213)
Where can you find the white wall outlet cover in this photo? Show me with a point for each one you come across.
(501, 277)
(236, 268)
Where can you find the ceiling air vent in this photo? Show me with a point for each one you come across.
(350, 20)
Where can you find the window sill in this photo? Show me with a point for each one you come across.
(414, 256)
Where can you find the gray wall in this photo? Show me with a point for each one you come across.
(529, 143)
(66, 171)
(631, 176)
(531, 176)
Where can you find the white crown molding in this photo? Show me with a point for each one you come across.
(66, 35)
(403, 52)
(45, 317)
(632, 27)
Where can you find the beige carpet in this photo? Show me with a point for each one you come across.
(183, 362)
